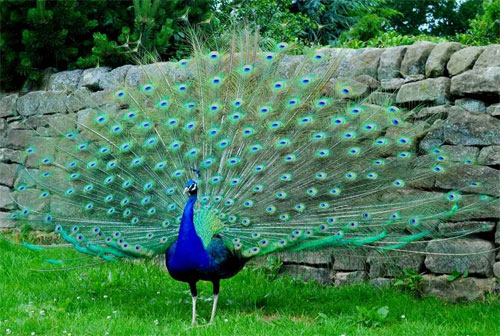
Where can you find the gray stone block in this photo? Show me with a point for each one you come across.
(460, 153)
(463, 60)
(51, 125)
(8, 105)
(415, 58)
(65, 80)
(286, 67)
(485, 81)
(489, 155)
(390, 62)
(462, 289)
(17, 139)
(396, 83)
(30, 198)
(490, 57)
(364, 62)
(440, 111)
(27, 177)
(115, 78)
(466, 227)
(433, 90)
(307, 257)
(138, 75)
(349, 278)
(462, 254)
(339, 56)
(463, 128)
(8, 155)
(391, 264)
(368, 80)
(6, 201)
(489, 179)
(8, 174)
(494, 110)
(5, 223)
(381, 98)
(439, 57)
(349, 260)
(78, 100)
(432, 139)
(496, 269)
(471, 105)
(489, 211)
(358, 89)
(381, 282)
(104, 98)
(91, 78)
(307, 273)
(41, 102)
(497, 235)
(392, 84)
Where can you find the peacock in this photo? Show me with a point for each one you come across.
(243, 155)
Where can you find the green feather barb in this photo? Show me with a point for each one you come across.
(286, 157)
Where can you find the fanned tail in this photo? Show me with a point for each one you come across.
(285, 154)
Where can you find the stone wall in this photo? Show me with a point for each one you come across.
(458, 84)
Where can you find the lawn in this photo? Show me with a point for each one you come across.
(141, 299)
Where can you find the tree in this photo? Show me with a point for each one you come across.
(486, 26)
(434, 17)
(66, 34)
(332, 17)
(273, 18)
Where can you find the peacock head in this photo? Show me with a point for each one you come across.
(191, 188)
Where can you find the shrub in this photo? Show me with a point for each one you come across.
(66, 34)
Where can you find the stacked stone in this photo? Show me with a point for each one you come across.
(458, 84)
(462, 86)
(24, 119)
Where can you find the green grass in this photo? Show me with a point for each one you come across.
(126, 299)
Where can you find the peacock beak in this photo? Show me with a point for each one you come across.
(186, 190)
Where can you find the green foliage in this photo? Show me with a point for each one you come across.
(67, 34)
(371, 317)
(138, 294)
(273, 18)
(156, 28)
(304, 21)
(334, 17)
(272, 266)
(485, 28)
(433, 17)
(410, 281)
(388, 39)
(373, 22)
(471, 22)
(455, 274)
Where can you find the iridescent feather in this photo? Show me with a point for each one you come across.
(287, 160)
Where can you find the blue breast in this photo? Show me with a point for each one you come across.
(188, 260)
(188, 255)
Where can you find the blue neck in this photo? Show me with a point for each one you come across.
(189, 254)
(187, 232)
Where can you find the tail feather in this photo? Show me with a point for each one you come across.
(286, 158)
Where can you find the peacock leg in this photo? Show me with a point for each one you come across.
(216, 285)
(194, 295)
